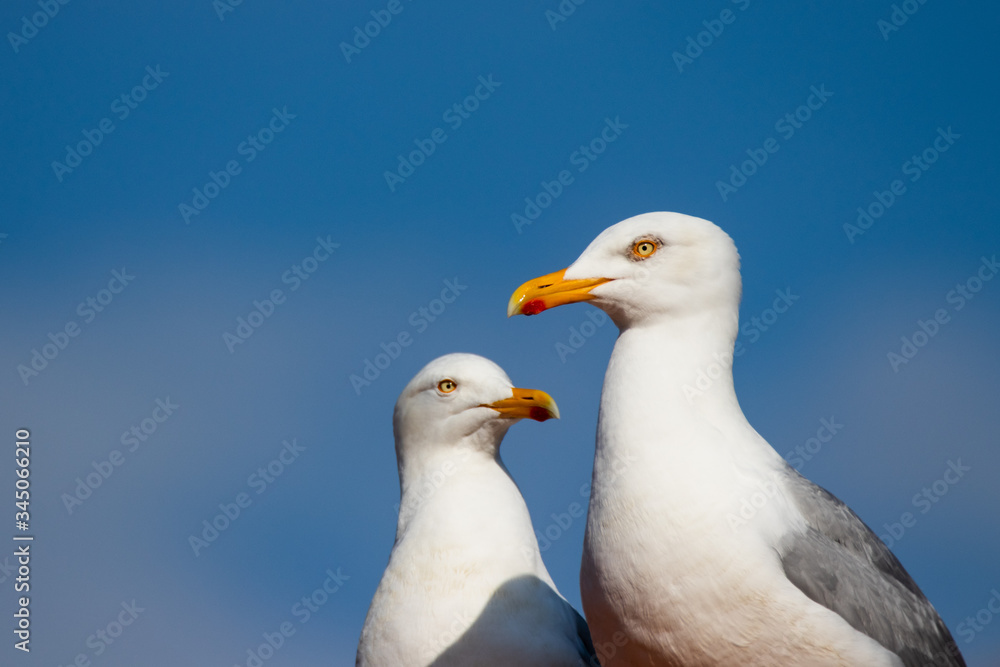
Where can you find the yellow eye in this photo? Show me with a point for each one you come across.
(643, 249)
(447, 386)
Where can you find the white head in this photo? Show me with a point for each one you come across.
(462, 400)
(644, 269)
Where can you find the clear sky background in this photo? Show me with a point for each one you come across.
(224, 81)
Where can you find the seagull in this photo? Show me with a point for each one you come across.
(466, 585)
(673, 562)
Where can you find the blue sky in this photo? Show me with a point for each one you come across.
(259, 112)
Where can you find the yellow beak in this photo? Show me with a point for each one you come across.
(550, 291)
(531, 403)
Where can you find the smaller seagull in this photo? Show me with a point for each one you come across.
(466, 584)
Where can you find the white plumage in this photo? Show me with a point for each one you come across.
(466, 584)
(669, 563)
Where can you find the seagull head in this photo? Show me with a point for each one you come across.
(645, 268)
(461, 400)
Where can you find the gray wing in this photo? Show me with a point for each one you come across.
(542, 614)
(587, 653)
(841, 564)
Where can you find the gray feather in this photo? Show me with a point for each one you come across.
(588, 654)
(530, 593)
(841, 564)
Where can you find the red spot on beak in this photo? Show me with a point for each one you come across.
(539, 414)
(533, 307)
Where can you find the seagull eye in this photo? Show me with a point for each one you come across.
(643, 249)
(447, 386)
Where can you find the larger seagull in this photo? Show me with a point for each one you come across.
(668, 563)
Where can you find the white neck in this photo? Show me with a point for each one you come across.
(673, 370)
(668, 407)
(463, 499)
(423, 478)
